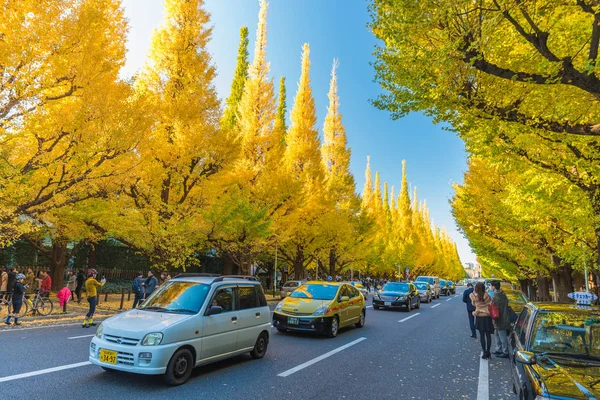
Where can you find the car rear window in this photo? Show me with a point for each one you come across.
(421, 285)
(316, 291)
(425, 279)
(396, 287)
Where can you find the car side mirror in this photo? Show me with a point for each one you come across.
(525, 357)
(214, 310)
(344, 298)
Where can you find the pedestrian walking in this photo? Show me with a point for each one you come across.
(11, 280)
(470, 308)
(3, 282)
(137, 288)
(72, 284)
(150, 284)
(502, 323)
(29, 279)
(268, 281)
(483, 321)
(80, 279)
(90, 291)
(18, 291)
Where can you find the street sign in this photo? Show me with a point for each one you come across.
(582, 297)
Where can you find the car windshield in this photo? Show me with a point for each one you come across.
(396, 287)
(442, 282)
(421, 285)
(425, 279)
(316, 291)
(567, 333)
(177, 297)
(516, 297)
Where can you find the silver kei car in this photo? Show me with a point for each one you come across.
(425, 291)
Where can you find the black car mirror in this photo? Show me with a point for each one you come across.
(525, 357)
(214, 310)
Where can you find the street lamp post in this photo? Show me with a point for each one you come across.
(275, 272)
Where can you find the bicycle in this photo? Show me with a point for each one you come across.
(38, 305)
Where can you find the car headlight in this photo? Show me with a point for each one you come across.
(401, 298)
(321, 310)
(376, 295)
(152, 339)
(279, 306)
(542, 398)
(99, 331)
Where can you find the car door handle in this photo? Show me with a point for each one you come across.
(234, 319)
(257, 314)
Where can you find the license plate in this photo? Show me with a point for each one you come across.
(387, 303)
(293, 321)
(108, 356)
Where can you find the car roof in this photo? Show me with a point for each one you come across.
(545, 306)
(325, 282)
(209, 280)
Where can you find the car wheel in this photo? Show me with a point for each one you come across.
(361, 320)
(260, 347)
(179, 368)
(408, 308)
(334, 327)
(418, 303)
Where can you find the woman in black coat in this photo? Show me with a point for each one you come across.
(18, 292)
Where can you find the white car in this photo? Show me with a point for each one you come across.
(189, 321)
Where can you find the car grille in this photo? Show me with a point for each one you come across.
(299, 314)
(388, 298)
(121, 340)
(125, 358)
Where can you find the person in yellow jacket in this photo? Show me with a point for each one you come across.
(90, 289)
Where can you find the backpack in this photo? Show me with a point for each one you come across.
(135, 287)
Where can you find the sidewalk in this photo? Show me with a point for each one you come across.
(76, 312)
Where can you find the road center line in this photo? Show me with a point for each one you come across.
(79, 337)
(407, 318)
(438, 304)
(449, 299)
(320, 358)
(483, 388)
(43, 371)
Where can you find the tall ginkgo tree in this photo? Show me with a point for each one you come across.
(162, 211)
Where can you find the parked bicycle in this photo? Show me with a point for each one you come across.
(38, 304)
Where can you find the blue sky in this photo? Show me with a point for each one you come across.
(334, 29)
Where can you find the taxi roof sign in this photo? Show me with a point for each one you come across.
(582, 298)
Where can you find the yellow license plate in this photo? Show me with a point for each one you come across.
(107, 356)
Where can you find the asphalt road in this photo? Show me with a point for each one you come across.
(427, 356)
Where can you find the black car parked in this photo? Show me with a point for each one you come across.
(556, 352)
(444, 288)
(397, 295)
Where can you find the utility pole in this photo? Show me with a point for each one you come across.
(275, 272)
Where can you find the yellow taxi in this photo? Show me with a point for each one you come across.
(322, 307)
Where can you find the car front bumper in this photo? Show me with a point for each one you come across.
(305, 323)
(128, 357)
(391, 304)
(425, 297)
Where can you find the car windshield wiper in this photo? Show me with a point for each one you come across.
(568, 355)
(181, 310)
(153, 308)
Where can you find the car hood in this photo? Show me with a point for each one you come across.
(391, 294)
(569, 378)
(137, 323)
(297, 305)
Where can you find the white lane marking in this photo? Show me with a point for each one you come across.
(369, 306)
(449, 299)
(43, 371)
(320, 358)
(483, 388)
(438, 304)
(407, 318)
(79, 337)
